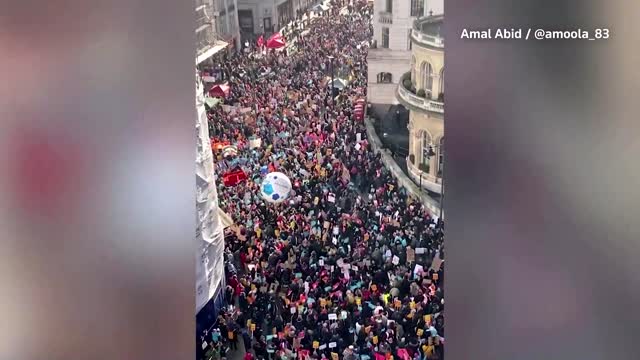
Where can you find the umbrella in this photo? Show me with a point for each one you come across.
(220, 90)
(276, 42)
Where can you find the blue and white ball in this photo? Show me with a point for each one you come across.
(275, 187)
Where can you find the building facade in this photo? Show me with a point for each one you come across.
(267, 16)
(227, 23)
(208, 40)
(209, 232)
(421, 90)
(390, 53)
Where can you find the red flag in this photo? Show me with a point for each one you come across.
(261, 41)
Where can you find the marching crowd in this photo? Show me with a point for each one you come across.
(349, 266)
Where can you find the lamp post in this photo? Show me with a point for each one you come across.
(429, 154)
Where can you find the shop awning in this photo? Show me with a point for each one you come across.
(219, 45)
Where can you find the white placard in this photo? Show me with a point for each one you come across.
(322, 347)
(396, 260)
(255, 143)
(417, 270)
(347, 266)
(358, 137)
(343, 315)
(321, 262)
(336, 230)
(331, 198)
(357, 147)
(332, 345)
(354, 268)
(334, 241)
(333, 317)
(293, 310)
(421, 250)
(204, 345)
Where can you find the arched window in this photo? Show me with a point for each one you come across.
(427, 151)
(385, 78)
(413, 69)
(441, 156)
(427, 77)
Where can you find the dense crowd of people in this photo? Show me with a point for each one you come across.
(349, 266)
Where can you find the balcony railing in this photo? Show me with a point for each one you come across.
(407, 97)
(429, 40)
(385, 17)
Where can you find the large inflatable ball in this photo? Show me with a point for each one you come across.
(275, 187)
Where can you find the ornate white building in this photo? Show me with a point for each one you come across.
(389, 56)
(421, 90)
(209, 232)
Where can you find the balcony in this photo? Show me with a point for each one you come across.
(415, 102)
(427, 40)
(428, 181)
(385, 18)
(426, 31)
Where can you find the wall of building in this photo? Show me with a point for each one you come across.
(278, 12)
(209, 233)
(437, 6)
(421, 55)
(227, 21)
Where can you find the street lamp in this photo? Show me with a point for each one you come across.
(428, 153)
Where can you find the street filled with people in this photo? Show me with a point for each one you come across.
(349, 266)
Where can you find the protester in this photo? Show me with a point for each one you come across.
(349, 266)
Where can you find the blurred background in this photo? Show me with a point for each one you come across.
(542, 186)
(97, 109)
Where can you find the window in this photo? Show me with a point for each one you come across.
(417, 7)
(409, 45)
(441, 81)
(427, 77)
(426, 148)
(390, 6)
(385, 37)
(385, 78)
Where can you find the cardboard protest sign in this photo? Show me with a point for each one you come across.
(332, 345)
(333, 317)
(411, 254)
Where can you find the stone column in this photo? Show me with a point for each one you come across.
(435, 90)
